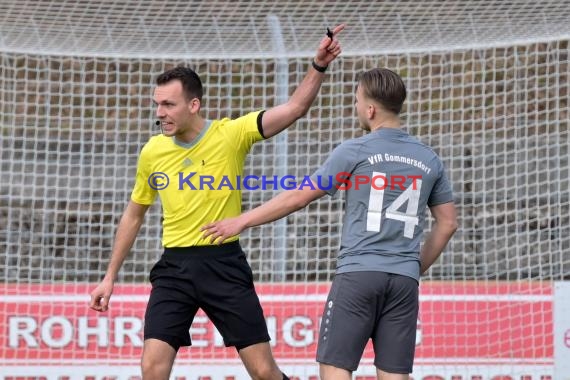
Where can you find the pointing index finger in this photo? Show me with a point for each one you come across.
(337, 29)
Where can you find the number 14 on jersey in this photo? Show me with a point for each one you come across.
(409, 217)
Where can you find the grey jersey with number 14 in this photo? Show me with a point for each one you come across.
(390, 178)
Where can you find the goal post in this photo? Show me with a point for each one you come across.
(488, 89)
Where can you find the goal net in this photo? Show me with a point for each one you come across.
(487, 89)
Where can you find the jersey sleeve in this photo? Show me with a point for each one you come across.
(337, 168)
(142, 192)
(245, 130)
(441, 192)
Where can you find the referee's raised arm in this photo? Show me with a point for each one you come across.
(282, 116)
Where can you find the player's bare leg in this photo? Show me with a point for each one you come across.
(259, 362)
(157, 360)
(391, 376)
(329, 372)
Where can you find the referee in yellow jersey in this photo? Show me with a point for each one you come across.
(179, 166)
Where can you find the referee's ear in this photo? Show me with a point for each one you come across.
(194, 106)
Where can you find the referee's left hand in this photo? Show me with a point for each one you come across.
(329, 47)
(101, 295)
(220, 231)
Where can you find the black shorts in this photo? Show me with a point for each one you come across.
(364, 305)
(216, 279)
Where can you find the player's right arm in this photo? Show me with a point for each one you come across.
(282, 205)
(127, 231)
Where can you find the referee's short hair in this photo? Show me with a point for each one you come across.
(191, 83)
(385, 87)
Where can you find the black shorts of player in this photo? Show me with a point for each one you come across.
(363, 305)
(216, 279)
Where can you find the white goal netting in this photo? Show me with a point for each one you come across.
(488, 89)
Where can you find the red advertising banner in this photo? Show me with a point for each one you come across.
(461, 325)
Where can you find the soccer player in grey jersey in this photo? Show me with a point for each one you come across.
(390, 178)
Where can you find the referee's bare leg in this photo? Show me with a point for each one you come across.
(259, 362)
(157, 360)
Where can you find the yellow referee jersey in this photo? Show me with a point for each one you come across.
(196, 182)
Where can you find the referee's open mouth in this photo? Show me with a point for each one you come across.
(166, 126)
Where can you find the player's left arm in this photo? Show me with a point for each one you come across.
(282, 205)
(282, 116)
(445, 225)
